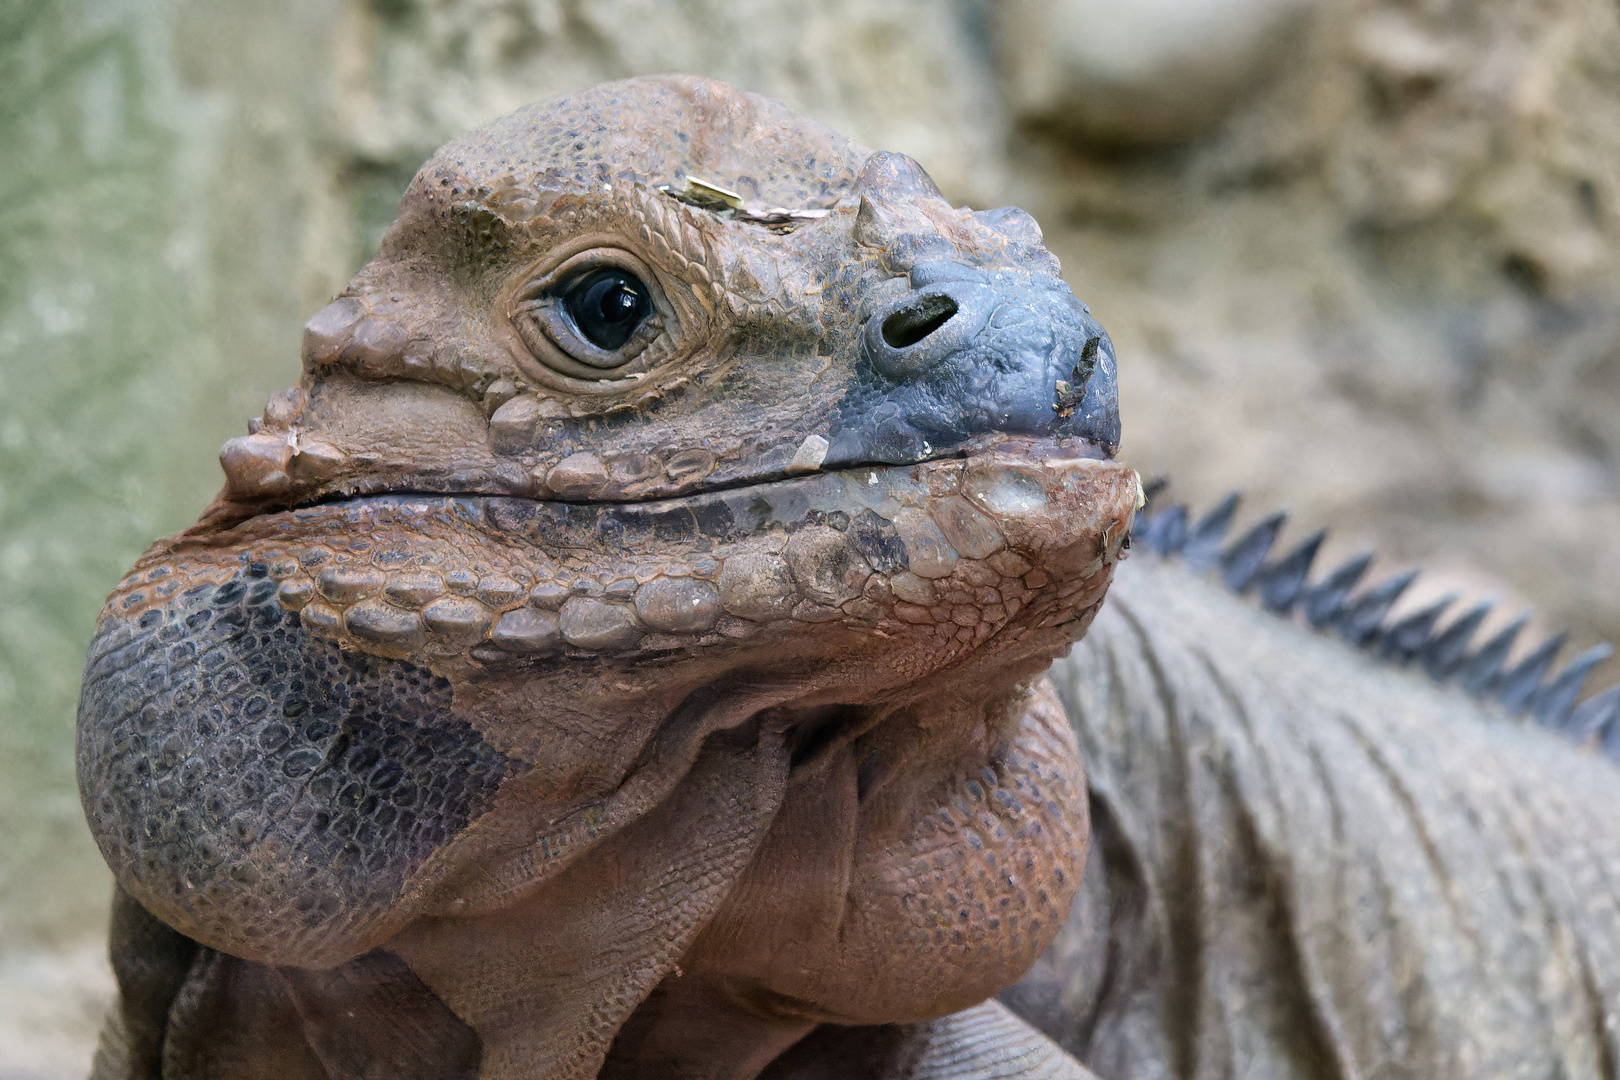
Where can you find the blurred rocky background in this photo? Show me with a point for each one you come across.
(1361, 258)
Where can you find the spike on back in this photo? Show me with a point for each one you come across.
(1442, 656)
(1203, 546)
(1332, 603)
(1169, 531)
(1595, 715)
(1482, 668)
(1325, 601)
(1518, 685)
(1555, 701)
(1406, 638)
(1363, 621)
(1281, 583)
(1241, 561)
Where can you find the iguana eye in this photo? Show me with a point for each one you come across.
(607, 307)
(598, 316)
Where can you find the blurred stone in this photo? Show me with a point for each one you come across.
(52, 1003)
(907, 75)
(1381, 290)
(1136, 72)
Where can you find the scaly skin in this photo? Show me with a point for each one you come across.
(561, 709)
(1310, 862)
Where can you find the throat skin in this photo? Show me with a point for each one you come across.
(912, 864)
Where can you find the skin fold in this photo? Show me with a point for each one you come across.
(541, 701)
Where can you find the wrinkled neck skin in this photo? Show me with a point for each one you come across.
(653, 698)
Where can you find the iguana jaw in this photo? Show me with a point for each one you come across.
(300, 441)
(491, 578)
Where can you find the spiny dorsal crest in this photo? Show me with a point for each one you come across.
(1331, 604)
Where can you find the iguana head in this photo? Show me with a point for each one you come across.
(573, 306)
(662, 420)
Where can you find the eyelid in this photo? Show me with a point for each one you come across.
(688, 304)
(559, 326)
(550, 338)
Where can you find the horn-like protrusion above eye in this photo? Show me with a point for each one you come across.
(896, 177)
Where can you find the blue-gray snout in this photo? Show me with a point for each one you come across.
(953, 352)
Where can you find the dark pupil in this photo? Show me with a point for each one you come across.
(607, 307)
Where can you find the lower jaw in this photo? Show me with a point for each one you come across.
(956, 547)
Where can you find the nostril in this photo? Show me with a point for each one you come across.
(911, 324)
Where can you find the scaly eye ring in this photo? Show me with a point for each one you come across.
(600, 315)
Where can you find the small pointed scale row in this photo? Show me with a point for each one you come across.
(1595, 714)
(1283, 582)
(1481, 671)
(1333, 604)
(1406, 638)
(1554, 704)
(1362, 623)
(1442, 655)
(1202, 549)
(1327, 601)
(1515, 687)
(1242, 561)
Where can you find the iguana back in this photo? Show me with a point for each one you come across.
(1309, 862)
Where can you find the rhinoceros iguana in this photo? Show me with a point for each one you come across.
(623, 655)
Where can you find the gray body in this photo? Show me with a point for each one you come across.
(1309, 863)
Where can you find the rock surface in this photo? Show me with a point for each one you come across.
(1379, 288)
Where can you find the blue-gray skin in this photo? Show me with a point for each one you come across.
(906, 405)
(627, 640)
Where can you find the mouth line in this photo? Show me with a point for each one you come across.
(1032, 447)
(540, 579)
